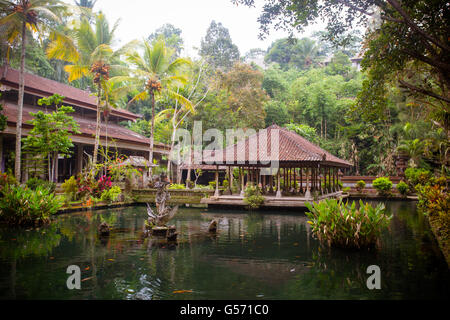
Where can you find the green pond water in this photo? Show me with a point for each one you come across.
(259, 255)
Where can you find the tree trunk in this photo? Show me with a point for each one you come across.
(55, 167)
(97, 127)
(152, 129)
(17, 164)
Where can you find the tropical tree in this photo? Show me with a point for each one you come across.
(300, 53)
(18, 18)
(93, 62)
(50, 136)
(172, 35)
(218, 48)
(155, 74)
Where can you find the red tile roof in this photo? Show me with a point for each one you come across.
(44, 87)
(292, 148)
(87, 126)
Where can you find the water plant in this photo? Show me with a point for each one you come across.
(345, 225)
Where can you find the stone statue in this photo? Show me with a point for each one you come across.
(157, 221)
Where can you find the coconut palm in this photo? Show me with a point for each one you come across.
(158, 74)
(17, 19)
(94, 61)
(306, 53)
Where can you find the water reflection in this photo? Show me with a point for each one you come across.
(266, 255)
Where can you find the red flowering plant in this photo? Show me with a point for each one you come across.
(103, 184)
(86, 185)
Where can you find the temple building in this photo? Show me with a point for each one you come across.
(118, 138)
(289, 169)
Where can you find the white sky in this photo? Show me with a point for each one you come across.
(139, 18)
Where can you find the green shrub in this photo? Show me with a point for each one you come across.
(23, 206)
(253, 197)
(346, 189)
(360, 185)
(34, 183)
(225, 184)
(416, 176)
(175, 186)
(403, 188)
(383, 185)
(111, 195)
(343, 225)
(212, 184)
(7, 179)
(202, 186)
(70, 188)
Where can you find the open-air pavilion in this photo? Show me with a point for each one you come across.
(289, 169)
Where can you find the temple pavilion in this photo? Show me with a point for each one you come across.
(289, 169)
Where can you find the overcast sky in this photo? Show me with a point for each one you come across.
(139, 18)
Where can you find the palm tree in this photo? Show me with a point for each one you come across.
(94, 61)
(306, 53)
(158, 74)
(18, 18)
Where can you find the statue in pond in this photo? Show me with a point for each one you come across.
(156, 222)
(103, 229)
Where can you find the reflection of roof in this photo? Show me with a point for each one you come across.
(137, 161)
(289, 147)
(44, 87)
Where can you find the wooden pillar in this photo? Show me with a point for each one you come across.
(301, 180)
(295, 180)
(229, 180)
(320, 181)
(241, 178)
(79, 159)
(278, 195)
(328, 180)
(264, 184)
(334, 186)
(216, 193)
(271, 182)
(314, 179)
(308, 192)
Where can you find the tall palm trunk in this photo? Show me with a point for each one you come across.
(17, 165)
(152, 129)
(97, 127)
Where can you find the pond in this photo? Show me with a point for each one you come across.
(259, 255)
